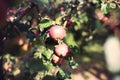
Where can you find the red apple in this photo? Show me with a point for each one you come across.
(57, 32)
(105, 19)
(56, 59)
(69, 23)
(61, 8)
(62, 50)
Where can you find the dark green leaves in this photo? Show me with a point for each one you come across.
(72, 63)
(113, 5)
(44, 23)
(105, 7)
(37, 65)
(63, 75)
(47, 53)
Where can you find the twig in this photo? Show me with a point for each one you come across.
(23, 14)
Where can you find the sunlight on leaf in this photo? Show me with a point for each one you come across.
(70, 39)
(44, 23)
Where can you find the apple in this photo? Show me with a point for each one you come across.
(69, 23)
(56, 59)
(57, 32)
(105, 19)
(62, 50)
(61, 8)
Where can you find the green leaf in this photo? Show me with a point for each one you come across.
(73, 64)
(63, 75)
(103, 1)
(47, 53)
(113, 5)
(37, 51)
(70, 39)
(41, 3)
(48, 65)
(49, 77)
(37, 65)
(105, 8)
(44, 23)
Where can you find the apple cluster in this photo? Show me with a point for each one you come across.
(61, 50)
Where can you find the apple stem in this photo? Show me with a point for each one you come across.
(59, 41)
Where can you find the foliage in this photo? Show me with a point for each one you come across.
(87, 24)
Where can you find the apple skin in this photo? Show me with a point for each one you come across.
(62, 50)
(69, 23)
(56, 59)
(57, 32)
(105, 19)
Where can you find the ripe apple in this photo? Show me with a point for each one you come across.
(105, 19)
(57, 32)
(56, 59)
(62, 50)
(69, 23)
(61, 8)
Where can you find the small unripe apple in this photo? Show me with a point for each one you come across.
(57, 32)
(69, 23)
(56, 59)
(62, 50)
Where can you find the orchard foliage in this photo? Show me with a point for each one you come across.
(40, 35)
